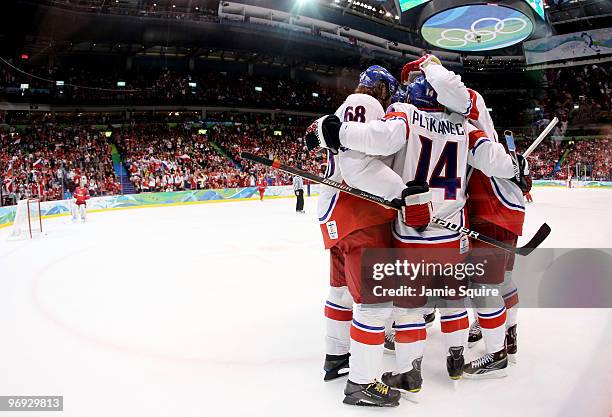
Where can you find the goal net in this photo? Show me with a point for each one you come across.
(28, 220)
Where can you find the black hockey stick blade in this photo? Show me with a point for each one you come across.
(535, 241)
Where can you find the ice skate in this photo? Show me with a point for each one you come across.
(407, 383)
(335, 365)
(491, 365)
(374, 394)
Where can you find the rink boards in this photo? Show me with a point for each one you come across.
(118, 202)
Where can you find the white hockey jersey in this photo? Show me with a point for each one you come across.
(438, 148)
(339, 213)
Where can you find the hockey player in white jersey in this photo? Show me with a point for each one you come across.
(438, 149)
(348, 225)
(496, 209)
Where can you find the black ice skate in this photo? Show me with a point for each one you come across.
(511, 346)
(491, 365)
(475, 334)
(455, 362)
(334, 365)
(429, 319)
(375, 394)
(407, 383)
(390, 341)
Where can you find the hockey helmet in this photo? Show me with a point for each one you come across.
(376, 73)
(421, 94)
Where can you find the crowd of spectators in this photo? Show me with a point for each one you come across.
(593, 157)
(577, 95)
(41, 161)
(163, 159)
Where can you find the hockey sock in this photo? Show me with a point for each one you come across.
(493, 327)
(455, 326)
(338, 316)
(410, 335)
(367, 339)
(511, 299)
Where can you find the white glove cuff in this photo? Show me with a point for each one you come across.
(414, 199)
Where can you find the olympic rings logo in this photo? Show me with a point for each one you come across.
(461, 37)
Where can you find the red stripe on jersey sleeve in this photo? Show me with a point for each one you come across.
(474, 113)
(400, 115)
(475, 135)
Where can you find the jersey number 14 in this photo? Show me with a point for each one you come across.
(447, 163)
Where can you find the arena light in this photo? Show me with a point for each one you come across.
(202, 131)
(120, 83)
(536, 109)
(24, 86)
(192, 85)
(576, 106)
(108, 134)
(25, 57)
(490, 109)
(315, 94)
(278, 133)
(59, 83)
(258, 89)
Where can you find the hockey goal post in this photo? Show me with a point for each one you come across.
(28, 219)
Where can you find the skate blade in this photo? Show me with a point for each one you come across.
(332, 376)
(455, 383)
(412, 396)
(472, 344)
(389, 351)
(512, 358)
(362, 403)
(500, 373)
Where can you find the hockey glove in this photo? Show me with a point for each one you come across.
(416, 205)
(324, 133)
(523, 180)
(415, 66)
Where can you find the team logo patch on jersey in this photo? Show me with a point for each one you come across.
(332, 230)
(464, 245)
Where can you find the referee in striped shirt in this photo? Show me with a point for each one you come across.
(298, 189)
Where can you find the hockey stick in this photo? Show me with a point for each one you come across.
(512, 149)
(535, 241)
(541, 137)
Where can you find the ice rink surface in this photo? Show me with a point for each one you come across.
(216, 310)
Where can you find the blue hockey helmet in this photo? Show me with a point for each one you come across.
(421, 94)
(399, 96)
(376, 73)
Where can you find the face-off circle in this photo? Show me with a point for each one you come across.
(477, 27)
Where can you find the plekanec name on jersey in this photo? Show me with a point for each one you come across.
(432, 124)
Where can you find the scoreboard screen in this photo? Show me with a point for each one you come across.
(411, 4)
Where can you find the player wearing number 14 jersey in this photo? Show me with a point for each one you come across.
(437, 151)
